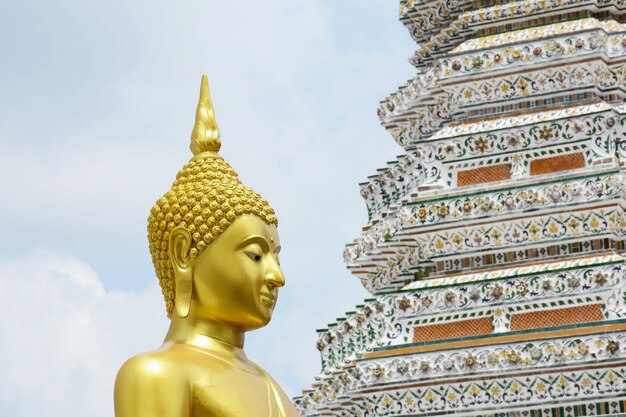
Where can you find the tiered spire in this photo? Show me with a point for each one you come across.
(494, 245)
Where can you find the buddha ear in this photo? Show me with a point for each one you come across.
(179, 245)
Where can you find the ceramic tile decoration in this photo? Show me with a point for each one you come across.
(494, 249)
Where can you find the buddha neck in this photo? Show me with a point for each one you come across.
(193, 330)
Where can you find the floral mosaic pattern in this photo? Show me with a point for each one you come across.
(483, 204)
(592, 40)
(406, 127)
(511, 87)
(408, 95)
(462, 240)
(514, 139)
(539, 32)
(395, 183)
(390, 320)
(413, 17)
(348, 339)
(581, 45)
(423, 165)
(538, 268)
(502, 123)
(509, 358)
(517, 200)
(529, 8)
(559, 387)
(539, 73)
(495, 293)
(518, 233)
(426, 17)
(498, 358)
(512, 391)
(428, 120)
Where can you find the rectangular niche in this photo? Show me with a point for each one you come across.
(491, 173)
(558, 317)
(557, 163)
(453, 330)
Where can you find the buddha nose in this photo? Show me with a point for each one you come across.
(274, 276)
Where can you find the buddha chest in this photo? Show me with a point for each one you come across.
(223, 389)
(234, 393)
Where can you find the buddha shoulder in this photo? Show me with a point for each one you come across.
(154, 384)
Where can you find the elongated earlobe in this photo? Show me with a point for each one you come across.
(179, 245)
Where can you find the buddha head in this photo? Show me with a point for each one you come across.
(213, 241)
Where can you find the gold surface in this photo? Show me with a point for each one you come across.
(206, 197)
(215, 246)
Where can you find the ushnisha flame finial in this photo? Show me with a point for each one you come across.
(205, 136)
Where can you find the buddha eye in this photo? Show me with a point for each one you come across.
(254, 256)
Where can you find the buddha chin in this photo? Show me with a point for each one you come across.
(215, 248)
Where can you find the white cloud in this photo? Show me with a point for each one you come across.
(98, 100)
(64, 336)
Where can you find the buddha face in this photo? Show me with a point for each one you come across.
(236, 278)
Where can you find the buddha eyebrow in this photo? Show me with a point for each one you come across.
(255, 239)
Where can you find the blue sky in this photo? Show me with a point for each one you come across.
(97, 102)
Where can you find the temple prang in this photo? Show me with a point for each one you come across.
(494, 248)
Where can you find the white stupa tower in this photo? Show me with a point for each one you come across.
(493, 250)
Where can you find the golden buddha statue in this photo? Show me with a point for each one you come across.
(214, 246)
